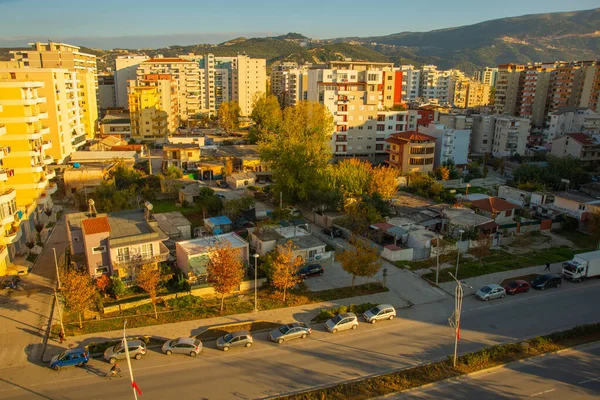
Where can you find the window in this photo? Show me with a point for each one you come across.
(582, 207)
(146, 251)
(372, 77)
(508, 213)
(99, 249)
(123, 254)
(390, 127)
(189, 153)
(101, 270)
(380, 128)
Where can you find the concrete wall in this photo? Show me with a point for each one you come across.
(398, 255)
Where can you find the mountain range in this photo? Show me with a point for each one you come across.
(540, 37)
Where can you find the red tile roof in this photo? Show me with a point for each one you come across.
(95, 225)
(493, 204)
(165, 60)
(411, 136)
(581, 138)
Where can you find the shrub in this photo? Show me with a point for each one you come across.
(357, 309)
(117, 287)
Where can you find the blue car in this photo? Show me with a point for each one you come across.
(71, 357)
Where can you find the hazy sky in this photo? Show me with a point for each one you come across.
(157, 23)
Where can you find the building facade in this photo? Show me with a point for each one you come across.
(125, 71)
(411, 152)
(572, 120)
(451, 145)
(578, 145)
(482, 135)
(510, 136)
(107, 96)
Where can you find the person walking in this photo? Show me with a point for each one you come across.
(547, 267)
(61, 336)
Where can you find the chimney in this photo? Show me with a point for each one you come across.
(148, 210)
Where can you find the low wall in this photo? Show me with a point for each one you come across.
(397, 255)
(200, 291)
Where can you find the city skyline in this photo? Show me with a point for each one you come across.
(125, 25)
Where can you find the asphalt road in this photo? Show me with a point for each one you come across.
(266, 369)
(568, 375)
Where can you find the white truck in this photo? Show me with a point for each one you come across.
(582, 266)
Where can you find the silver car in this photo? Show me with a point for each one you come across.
(491, 291)
(294, 330)
(342, 322)
(382, 311)
(234, 339)
(137, 349)
(190, 346)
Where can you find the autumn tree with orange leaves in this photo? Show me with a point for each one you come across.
(149, 277)
(284, 268)
(77, 290)
(225, 270)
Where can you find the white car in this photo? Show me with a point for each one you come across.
(342, 322)
(382, 311)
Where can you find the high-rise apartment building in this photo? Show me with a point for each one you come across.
(470, 93)
(482, 135)
(507, 87)
(411, 82)
(107, 96)
(451, 145)
(361, 97)
(24, 177)
(289, 83)
(510, 136)
(487, 76)
(65, 120)
(438, 86)
(125, 71)
(532, 94)
(65, 56)
(249, 78)
(186, 76)
(153, 107)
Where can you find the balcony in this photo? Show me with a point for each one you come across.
(4, 151)
(6, 173)
(38, 167)
(12, 235)
(50, 174)
(8, 219)
(48, 160)
(47, 145)
(53, 188)
(43, 115)
(2, 129)
(43, 199)
(8, 195)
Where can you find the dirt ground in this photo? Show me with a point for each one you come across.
(537, 241)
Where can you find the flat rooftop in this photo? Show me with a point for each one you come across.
(201, 246)
(130, 227)
(302, 242)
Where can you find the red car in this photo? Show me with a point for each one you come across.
(517, 286)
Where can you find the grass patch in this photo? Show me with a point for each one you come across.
(187, 308)
(480, 360)
(502, 261)
(429, 263)
(357, 309)
(163, 206)
(581, 240)
(472, 190)
(218, 331)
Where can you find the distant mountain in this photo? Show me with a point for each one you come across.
(540, 37)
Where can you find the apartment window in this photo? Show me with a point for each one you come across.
(372, 77)
(388, 97)
(368, 147)
(389, 88)
(390, 127)
(360, 138)
(146, 251)
(360, 127)
(508, 213)
(380, 128)
(99, 249)
(379, 147)
(370, 127)
(123, 254)
(390, 77)
(370, 117)
(189, 153)
(581, 207)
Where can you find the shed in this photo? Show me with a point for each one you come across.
(240, 180)
(308, 247)
(174, 225)
(218, 224)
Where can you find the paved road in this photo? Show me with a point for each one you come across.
(568, 375)
(418, 335)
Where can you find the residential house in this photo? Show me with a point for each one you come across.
(571, 120)
(104, 157)
(190, 191)
(467, 219)
(514, 195)
(411, 152)
(115, 243)
(576, 205)
(185, 156)
(578, 145)
(308, 247)
(86, 178)
(240, 180)
(266, 239)
(501, 211)
(117, 124)
(510, 136)
(218, 225)
(194, 255)
(174, 225)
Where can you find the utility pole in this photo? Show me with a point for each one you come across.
(458, 251)
(149, 160)
(455, 322)
(255, 282)
(56, 265)
(134, 385)
(437, 270)
(62, 328)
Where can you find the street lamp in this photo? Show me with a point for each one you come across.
(455, 322)
(255, 282)
(460, 231)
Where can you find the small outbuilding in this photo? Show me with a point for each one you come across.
(240, 180)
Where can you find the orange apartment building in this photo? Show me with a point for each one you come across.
(411, 152)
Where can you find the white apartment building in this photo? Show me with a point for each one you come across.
(249, 78)
(487, 76)
(411, 83)
(289, 83)
(510, 136)
(482, 135)
(571, 120)
(125, 70)
(357, 99)
(450, 144)
(438, 86)
(185, 74)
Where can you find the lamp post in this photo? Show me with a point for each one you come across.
(56, 265)
(437, 270)
(460, 231)
(255, 282)
(455, 322)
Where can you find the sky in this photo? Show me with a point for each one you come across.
(158, 23)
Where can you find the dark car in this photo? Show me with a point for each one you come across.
(518, 286)
(222, 184)
(333, 232)
(543, 282)
(310, 270)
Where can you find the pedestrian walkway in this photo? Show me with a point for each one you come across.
(480, 281)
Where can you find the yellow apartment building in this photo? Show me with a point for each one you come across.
(25, 188)
(66, 56)
(65, 116)
(153, 107)
(411, 152)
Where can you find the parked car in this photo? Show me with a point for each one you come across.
(72, 357)
(190, 346)
(291, 331)
(333, 232)
(293, 211)
(382, 311)
(518, 286)
(220, 196)
(542, 282)
(491, 291)
(310, 270)
(222, 184)
(137, 350)
(234, 339)
(342, 322)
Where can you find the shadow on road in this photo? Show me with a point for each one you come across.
(26, 389)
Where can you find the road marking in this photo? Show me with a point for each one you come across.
(588, 380)
(544, 392)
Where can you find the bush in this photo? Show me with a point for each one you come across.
(357, 309)
(184, 302)
(117, 287)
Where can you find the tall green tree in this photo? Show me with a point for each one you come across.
(351, 176)
(229, 116)
(266, 115)
(298, 155)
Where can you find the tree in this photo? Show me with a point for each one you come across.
(229, 116)
(225, 270)
(117, 287)
(235, 207)
(78, 292)
(228, 167)
(172, 172)
(383, 182)
(442, 173)
(103, 284)
(361, 260)
(301, 152)
(150, 278)
(352, 177)
(284, 268)
(267, 116)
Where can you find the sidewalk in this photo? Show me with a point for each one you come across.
(303, 313)
(480, 281)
